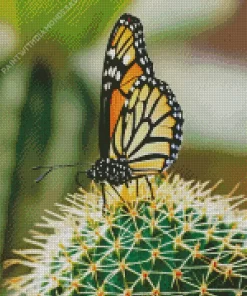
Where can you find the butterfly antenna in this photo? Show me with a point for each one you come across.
(51, 168)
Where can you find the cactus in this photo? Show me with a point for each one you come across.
(185, 241)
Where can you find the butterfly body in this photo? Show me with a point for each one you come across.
(113, 171)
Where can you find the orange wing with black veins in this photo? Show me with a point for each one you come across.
(125, 61)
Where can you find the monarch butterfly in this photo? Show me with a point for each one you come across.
(141, 122)
(140, 129)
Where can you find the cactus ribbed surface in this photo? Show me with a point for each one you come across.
(184, 242)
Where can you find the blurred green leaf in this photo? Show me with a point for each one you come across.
(8, 13)
(72, 23)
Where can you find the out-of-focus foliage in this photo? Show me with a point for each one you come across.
(73, 24)
(8, 14)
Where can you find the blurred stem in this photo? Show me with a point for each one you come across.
(33, 136)
(12, 87)
(57, 126)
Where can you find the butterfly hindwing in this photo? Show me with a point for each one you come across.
(148, 132)
(126, 60)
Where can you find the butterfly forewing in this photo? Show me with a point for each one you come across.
(126, 60)
(148, 132)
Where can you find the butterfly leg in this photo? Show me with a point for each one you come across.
(115, 189)
(137, 187)
(150, 187)
(104, 198)
(164, 174)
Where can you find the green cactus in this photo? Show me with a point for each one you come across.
(186, 241)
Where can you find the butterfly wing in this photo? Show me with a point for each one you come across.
(149, 129)
(126, 60)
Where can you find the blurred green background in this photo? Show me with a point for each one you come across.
(51, 58)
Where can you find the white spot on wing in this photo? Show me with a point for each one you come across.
(114, 71)
(118, 75)
(126, 59)
(111, 53)
(110, 71)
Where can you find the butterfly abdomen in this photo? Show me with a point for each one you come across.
(114, 171)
